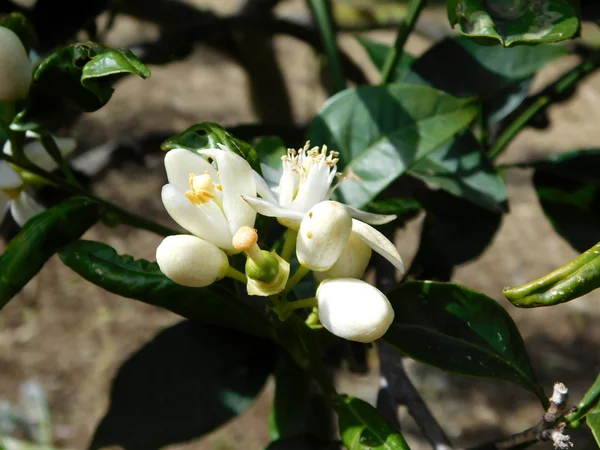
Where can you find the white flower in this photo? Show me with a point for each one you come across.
(13, 193)
(306, 181)
(205, 200)
(16, 71)
(351, 264)
(191, 261)
(353, 309)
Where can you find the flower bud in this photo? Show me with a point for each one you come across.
(15, 69)
(191, 261)
(270, 278)
(353, 309)
(323, 235)
(351, 264)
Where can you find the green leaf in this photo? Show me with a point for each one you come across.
(270, 149)
(378, 53)
(382, 131)
(302, 443)
(142, 280)
(40, 238)
(589, 401)
(209, 135)
(463, 169)
(511, 22)
(568, 188)
(77, 77)
(187, 381)
(299, 407)
(402, 207)
(593, 421)
(459, 330)
(363, 428)
(18, 23)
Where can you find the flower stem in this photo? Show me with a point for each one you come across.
(404, 30)
(292, 282)
(236, 275)
(289, 244)
(544, 99)
(124, 215)
(310, 302)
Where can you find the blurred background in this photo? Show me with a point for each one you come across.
(64, 339)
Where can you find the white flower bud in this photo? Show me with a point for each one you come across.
(351, 264)
(191, 261)
(323, 235)
(15, 69)
(353, 309)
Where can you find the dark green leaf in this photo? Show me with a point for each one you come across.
(378, 53)
(40, 238)
(511, 22)
(77, 77)
(299, 407)
(363, 428)
(142, 280)
(270, 149)
(302, 443)
(568, 188)
(382, 131)
(187, 381)
(18, 23)
(459, 330)
(209, 135)
(402, 207)
(454, 231)
(462, 169)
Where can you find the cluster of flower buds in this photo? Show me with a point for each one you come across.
(215, 195)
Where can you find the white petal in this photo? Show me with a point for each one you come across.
(373, 219)
(15, 69)
(179, 163)
(314, 189)
(205, 221)
(271, 175)
(24, 207)
(353, 309)
(37, 154)
(4, 205)
(378, 242)
(269, 209)
(352, 263)
(290, 179)
(9, 178)
(237, 179)
(262, 188)
(323, 235)
(191, 261)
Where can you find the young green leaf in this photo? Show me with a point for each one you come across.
(510, 22)
(590, 400)
(363, 428)
(593, 421)
(382, 131)
(459, 330)
(209, 135)
(142, 280)
(40, 238)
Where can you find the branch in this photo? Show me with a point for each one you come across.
(550, 428)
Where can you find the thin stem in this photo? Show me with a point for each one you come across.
(324, 18)
(540, 102)
(124, 215)
(300, 304)
(50, 145)
(389, 67)
(292, 282)
(289, 244)
(236, 275)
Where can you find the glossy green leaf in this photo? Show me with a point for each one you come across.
(378, 53)
(142, 280)
(573, 280)
(510, 22)
(593, 421)
(382, 131)
(463, 169)
(18, 23)
(402, 207)
(188, 380)
(210, 135)
(568, 188)
(589, 401)
(299, 407)
(77, 77)
(459, 330)
(362, 427)
(42, 237)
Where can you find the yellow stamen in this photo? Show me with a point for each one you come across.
(203, 189)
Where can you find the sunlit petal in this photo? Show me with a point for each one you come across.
(205, 221)
(270, 209)
(180, 163)
(373, 219)
(24, 207)
(262, 188)
(378, 242)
